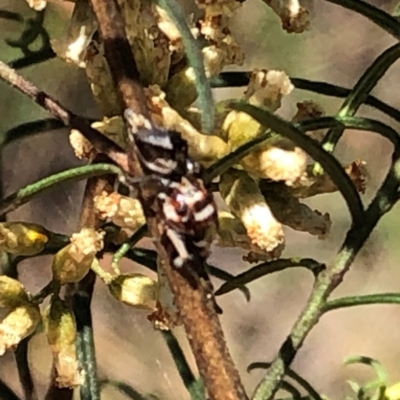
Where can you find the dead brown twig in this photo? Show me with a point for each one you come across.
(101, 143)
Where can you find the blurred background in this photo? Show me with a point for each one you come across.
(337, 49)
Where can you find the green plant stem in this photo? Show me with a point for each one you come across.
(195, 59)
(106, 277)
(123, 250)
(329, 279)
(352, 301)
(193, 385)
(374, 14)
(268, 268)
(355, 123)
(239, 79)
(24, 372)
(288, 387)
(360, 91)
(81, 303)
(328, 162)
(22, 196)
(50, 288)
(291, 374)
(124, 388)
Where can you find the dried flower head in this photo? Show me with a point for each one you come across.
(202, 148)
(232, 233)
(73, 44)
(309, 110)
(135, 290)
(243, 196)
(267, 88)
(73, 261)
(295, 19)
(60, 327)
(123, 211)
(18, 324)
(37, 5)
(223, 49)
(281, 162)
(82, 147)
(298, 216)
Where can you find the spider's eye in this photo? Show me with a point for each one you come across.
(180, 205)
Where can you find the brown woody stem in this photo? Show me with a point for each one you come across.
(197, 312)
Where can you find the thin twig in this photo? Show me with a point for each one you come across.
(352, 301)
(197, 313)
(361, 90)
(101, 143)
(268, 268)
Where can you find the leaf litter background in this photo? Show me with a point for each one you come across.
(337, 49)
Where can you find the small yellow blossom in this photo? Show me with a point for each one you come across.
(12, 292)
(19, 323)
(22, 238)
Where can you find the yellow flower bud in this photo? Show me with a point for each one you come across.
(181, 89)
(393, 392)
(135, 290)
(73, 261)
(22, 238)
(12, 292)
(60, 328)
(17, 325)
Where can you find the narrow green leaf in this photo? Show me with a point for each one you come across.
(194, 386)
(360, 92)
(268, 268)
(124, 388)
(374, 14)
(352, 301)
(226, 276)
(22, 196)
(29, 129)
